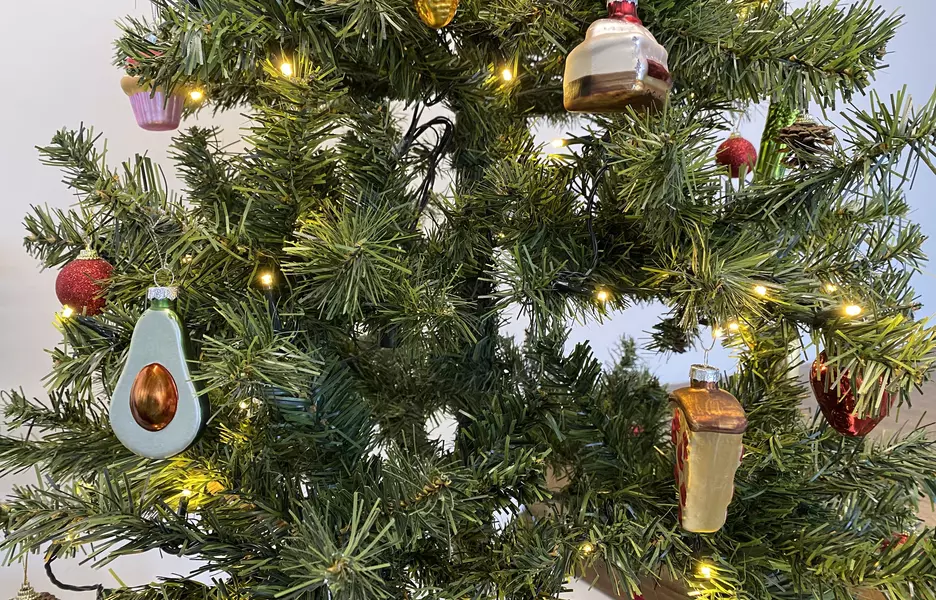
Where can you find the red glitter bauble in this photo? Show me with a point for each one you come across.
(736, 152)
(838, 402)
(80, 283)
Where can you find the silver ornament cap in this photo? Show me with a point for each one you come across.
(704, 375)
(162, 292)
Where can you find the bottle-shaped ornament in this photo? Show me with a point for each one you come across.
(156, 410)
(708, 427)
(619, 64)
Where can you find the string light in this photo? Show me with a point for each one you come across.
(244, 405)
(734, 326)
(852, 310)
(286, 69)
(705, 571)
(196, 95)
(586, 548)
(187, 493)
(831, 288)
(559, 143)
(718, 332)
(507, 74)
(602, 296)
(187, 259)
(760, 290)
(266, 279)
(67, 312)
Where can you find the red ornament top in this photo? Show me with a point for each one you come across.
(625, 10)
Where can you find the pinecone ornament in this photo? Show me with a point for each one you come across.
(805, 139)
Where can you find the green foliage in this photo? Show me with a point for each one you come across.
(316, 477)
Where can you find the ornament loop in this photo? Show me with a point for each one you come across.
(163, 270)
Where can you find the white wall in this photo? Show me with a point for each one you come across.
(56, 58)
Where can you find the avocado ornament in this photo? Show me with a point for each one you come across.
(156, 410)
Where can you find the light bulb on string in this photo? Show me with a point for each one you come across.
(831, 288)
(196, 95)
(734, 327)
(718, 332)
(507, 74)
(266, 279)
(586, 548)
(67, 312)
(760, 290)
(244, 405)
(853, 310)
(559, 143)
(187, 493)
(286, 69)
(602, 296)
(705, 571)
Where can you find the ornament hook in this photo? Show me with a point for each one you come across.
(164, 270)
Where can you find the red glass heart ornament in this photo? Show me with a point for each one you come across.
(838, 401)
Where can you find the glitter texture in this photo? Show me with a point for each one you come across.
(736, 152)
(80, 284)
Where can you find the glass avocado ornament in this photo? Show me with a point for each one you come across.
(156, 410)
(708, 427)
(619, 64)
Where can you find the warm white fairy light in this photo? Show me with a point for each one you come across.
(734, 326)
(244, 405)
(187, 493)
(286, 69)
(831, 288)
(705, 571)
(760, 290)
(586, 548)
(718, 332)
(602, 296)
(196, 95)
(67, 312)
(559, 143)
(266, 279)
(507, 74)
(852, 310)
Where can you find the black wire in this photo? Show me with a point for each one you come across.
(51, 556)
(590, 221)
(435, 156)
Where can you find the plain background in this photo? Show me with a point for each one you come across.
(57, 67)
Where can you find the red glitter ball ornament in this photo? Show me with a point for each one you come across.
(80, 283)
(736, 152)
(838, 401)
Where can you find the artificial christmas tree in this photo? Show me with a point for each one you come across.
(336, 303)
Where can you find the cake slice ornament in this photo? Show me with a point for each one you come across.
(156, 410)
(708, 431)
(619, 64)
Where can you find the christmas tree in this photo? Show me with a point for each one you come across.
(340, 298)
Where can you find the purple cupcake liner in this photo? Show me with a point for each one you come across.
(154, 113)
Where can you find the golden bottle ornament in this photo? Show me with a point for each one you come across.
(436, 13)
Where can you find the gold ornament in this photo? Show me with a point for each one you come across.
(436, 13)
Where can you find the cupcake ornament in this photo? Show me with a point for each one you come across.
(154, 109)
